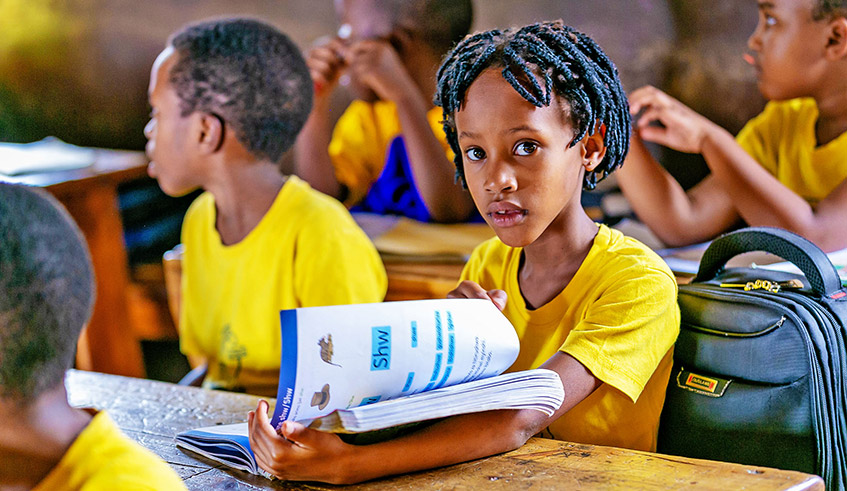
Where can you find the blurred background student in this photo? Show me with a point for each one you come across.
(387, 153)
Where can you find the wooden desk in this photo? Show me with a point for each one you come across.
(90, 195)
(151, 413)
(418, 280)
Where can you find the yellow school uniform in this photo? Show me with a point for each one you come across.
(782, 139)
(306, 251)
(360, 142)
(103, 458)
(618, 316)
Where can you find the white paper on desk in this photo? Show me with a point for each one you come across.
(684, 260)
(838, 259)
(349, 355)
(49, 154)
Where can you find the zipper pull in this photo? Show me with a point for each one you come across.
(771, 286)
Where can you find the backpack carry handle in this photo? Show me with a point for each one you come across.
(812, 261)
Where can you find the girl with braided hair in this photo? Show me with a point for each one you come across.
(534, 115)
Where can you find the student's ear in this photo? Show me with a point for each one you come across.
(594, 148)
(836, 47)
(211, 134)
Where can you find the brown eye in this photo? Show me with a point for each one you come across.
(525, 148)
(474, 154)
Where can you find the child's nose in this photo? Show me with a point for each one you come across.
(500, 178)
(754, 42)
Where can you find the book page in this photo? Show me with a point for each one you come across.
(346, 356)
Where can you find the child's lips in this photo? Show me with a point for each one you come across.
(752, 61)
(506, 214)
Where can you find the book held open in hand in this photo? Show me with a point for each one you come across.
(358, 368)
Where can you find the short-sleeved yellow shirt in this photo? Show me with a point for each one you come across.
(103, 458)
(306, 251)
(618, 316)
(782, 139)
(360, 142)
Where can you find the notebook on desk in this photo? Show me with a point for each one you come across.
(403, 238)
(686, 260)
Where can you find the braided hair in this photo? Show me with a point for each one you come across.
(542, 61)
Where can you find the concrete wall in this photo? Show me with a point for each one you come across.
(78, 69)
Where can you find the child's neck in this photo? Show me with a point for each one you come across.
(832, 113)
(35, 437)
(550, 263)
(243, 195)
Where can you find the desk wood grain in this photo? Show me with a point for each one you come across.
(151, 413)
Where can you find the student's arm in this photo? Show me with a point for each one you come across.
(379, 66)
(303, 454)
(676, 217)
(756, 195)
(764, 201)
(311, 157)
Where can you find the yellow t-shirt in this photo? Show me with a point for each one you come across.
(360, 141)
(782, 139)
(618, 316)
(103, 458)
(306, 251)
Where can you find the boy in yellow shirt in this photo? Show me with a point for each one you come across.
(387, 153)
(46, 296)
(228, 98)
(786, 168)
(534, 115)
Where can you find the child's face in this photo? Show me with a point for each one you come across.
(789, 45)
(524, 179)
(168, 132)
(363, 20)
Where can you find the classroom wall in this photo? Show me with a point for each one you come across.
(78, 69)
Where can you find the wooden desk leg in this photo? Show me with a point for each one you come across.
(108, 344)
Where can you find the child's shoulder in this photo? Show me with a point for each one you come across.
(788, 110)
(299, 202)
(618, 253)
(202, 206)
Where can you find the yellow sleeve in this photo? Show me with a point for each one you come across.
(357, 150)
(337, 264)
(628, 330)
(760, 137)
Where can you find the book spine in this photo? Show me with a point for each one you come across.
(287, 367)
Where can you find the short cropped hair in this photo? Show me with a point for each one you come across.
(441, 24)
(571, 67)
(824, 9)
(249, 74)
(46, 291)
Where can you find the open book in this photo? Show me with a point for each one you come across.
(358, 368)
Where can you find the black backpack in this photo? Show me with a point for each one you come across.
(760, 363)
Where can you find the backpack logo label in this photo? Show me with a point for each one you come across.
(701, 384)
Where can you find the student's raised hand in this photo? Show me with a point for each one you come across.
(469, 289)
(297, 453)
(666, 121)
(377, 65)
(325, 63)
